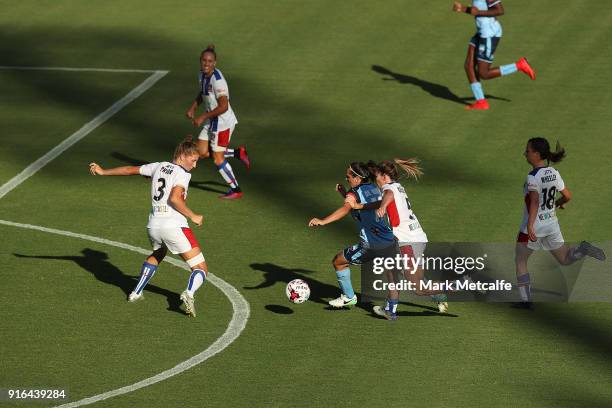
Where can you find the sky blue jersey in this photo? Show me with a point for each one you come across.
(374, 232)
(487, 26)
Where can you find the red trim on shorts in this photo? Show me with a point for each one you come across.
(223, 138)
(522, 237)
(407, 250)
(190, 237)
(393, 214)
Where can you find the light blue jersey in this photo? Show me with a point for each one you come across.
(374, 232)
(487, 26)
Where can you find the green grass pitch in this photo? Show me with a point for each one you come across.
(315, 85)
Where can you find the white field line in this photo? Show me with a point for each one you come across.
(82, 132)
(238, 322)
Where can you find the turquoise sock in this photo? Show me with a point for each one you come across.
(477, 90)
(508, 69)
(344, 281)
(441, 297)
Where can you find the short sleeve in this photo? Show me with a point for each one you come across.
(532, 183)
(183, 179)
(148, 169)
(220, 87)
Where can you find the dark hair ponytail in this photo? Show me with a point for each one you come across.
(541, 145)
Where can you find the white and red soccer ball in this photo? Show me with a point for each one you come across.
(297, 291)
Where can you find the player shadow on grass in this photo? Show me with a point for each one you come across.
(201, 185)
(321, 292)
(437, 90)
(96, 262)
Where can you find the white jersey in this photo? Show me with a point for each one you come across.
(164, 176)
(547, 182)
(406, 227)
(212, 89)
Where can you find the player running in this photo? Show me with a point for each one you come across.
(482, 47)
(540, 227)
(406, 228)
(168, 227)
(375, 235)
(218, 122)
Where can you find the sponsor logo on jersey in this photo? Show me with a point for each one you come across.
(546, 216)
(157, 209)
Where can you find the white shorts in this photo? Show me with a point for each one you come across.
(547, 243)
(177, 240)
(219, 140)
(414, 252)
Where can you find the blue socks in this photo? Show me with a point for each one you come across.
(477, 90)
(344, 281)
(146, 273)
(228, 174)
(524, 287)
(391, 306)
(508, 69)
(196, 280)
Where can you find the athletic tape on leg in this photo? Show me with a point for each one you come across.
(198, 259)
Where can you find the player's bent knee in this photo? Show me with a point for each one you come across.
(196, 261)
(486, 75)
(336, 259)
(218, 158)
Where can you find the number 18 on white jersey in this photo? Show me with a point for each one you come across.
(547, 182)
(165, 176)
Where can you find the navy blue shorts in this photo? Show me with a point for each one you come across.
(358, 255)
(485, 47)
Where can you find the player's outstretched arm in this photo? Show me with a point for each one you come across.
(178, 203)
(565, 197)
(335, 216)
(97, 170)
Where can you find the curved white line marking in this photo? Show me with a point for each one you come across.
(234, 328)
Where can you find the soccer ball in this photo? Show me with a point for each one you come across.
(297, 291)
